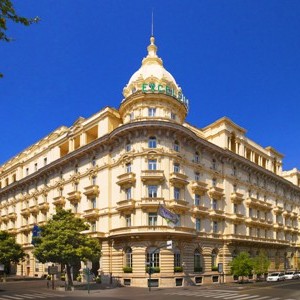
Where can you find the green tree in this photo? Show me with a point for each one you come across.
(242, 265)
(61, 241)
(10, 250)
(261, 263)
(8, 13)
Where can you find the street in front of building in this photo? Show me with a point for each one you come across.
(287, 290)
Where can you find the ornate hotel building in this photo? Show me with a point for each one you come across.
(116, 167)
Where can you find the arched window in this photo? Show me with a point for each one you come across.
(152, 142)
(153, 257)
(177, 258)
(197, 261)
(214, 260)
(128, 258)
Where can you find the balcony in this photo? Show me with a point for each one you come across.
(278, 226)
(91, 214)
(278, 210)
(178, 179)
(199, 187)
(180, 205)
(153, 176)
(150, 203)
(294, 215)
(25, 212)
(216, 192)
(74, 197)
(4, 218)
(288, 228)
(34, 210)
(216, 213)
(126, 179)
(236, 197)
(91, 191)
(25, 228)
(256, 203)
(238, 217)
(59, 201)
(12, 216)
(248, 239)
(200, 210)
(125, 205)
(286, 213)
(44, 207)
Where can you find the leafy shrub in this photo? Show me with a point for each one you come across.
(178, 269)
(127, 269)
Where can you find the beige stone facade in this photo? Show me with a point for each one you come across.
(116, 167)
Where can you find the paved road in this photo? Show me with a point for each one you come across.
(288, 290)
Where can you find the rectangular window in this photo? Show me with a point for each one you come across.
(128, 193)
(198, 224)
(93, 226)
(75, 208)
(128, 147)
(235, 208)
(152, 164)
(94, 203)
(235, 229)
(250, 212)
(173, 116)
(152, 142)
(215, 227)
(35, 167)
(176, 146)
(152, 219)
(128, 220)
(176, 193)
(151, 112)
(176, 168)
(197, 199)
(45, 161)
(128, 167)
(152, 191)
(215, 204)
(197, 176)
(178, 220)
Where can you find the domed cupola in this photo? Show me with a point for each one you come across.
(152, 92)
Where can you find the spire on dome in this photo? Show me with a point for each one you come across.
(152, 57)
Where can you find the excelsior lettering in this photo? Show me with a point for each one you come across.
(164, 89)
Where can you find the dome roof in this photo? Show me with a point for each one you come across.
(151, 68)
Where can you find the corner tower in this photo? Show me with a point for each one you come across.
(152, 93)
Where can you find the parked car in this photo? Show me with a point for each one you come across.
(291, 275)
(297, 273)
(276, 276)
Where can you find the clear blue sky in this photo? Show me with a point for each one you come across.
(234, 58)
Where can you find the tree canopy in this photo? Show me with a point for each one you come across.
(61, 241)
(261, 263)
(10, 250)
(8, 13)
(242, 265)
